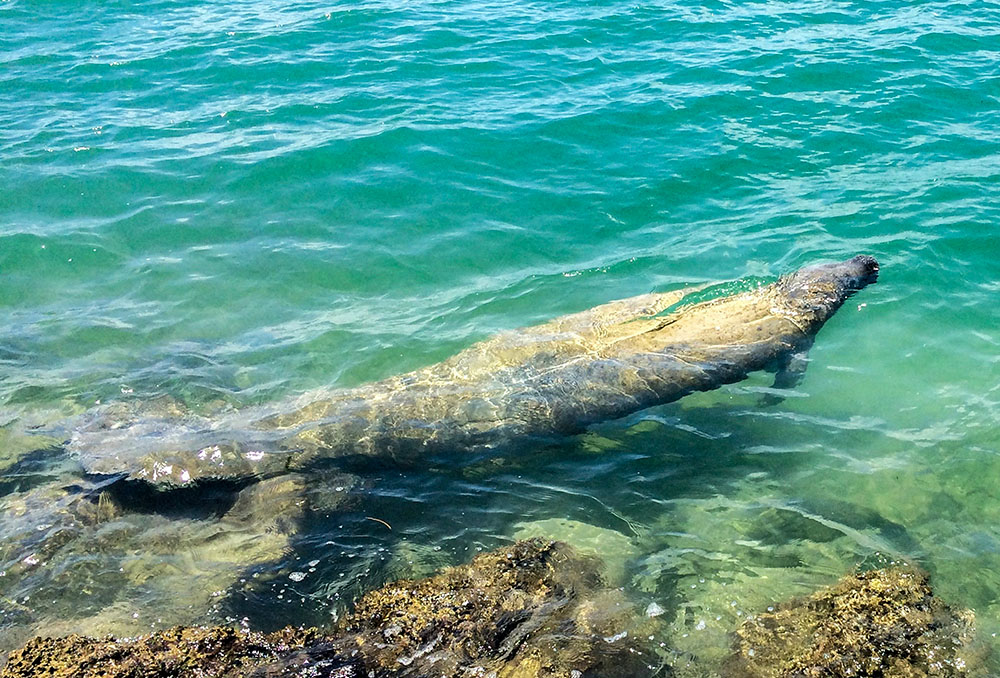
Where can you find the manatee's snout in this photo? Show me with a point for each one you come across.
(846, 277)
(820, 290)
(858, 272)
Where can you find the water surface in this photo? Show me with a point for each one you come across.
(231, 204)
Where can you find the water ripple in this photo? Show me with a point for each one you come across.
(232, 204)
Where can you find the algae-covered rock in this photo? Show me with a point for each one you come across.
(536, 608)
(709, 563)
(883, 623)
(181, 651)
(532, 609)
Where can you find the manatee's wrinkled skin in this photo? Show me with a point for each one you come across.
(535, 383)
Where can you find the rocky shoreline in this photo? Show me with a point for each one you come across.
(533, 608)
(539, 608)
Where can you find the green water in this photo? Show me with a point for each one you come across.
(232, 204)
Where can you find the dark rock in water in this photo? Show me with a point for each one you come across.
(532, 609)
(883, 623)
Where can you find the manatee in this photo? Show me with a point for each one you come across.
(514, 389)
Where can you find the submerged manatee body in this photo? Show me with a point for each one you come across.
(535, 383)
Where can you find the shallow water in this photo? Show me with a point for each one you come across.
(232, 204)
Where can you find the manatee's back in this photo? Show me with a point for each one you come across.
(542, 380)
(515, 384)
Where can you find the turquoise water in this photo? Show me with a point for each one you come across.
(232, 204)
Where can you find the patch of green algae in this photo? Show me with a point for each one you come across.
(14, 446)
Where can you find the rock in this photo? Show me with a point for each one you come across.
(415, 560)
(710, 563)
(611, 547)
(532, 609)
(882, 623)
(76, 563)
(181, 651)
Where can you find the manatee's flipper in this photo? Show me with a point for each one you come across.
(790, 370)
(329, 490)
(279, 504)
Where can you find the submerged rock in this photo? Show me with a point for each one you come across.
(611, 547)
(73, 561)
(883, 623)
(710, 563)
(415, 560)
(535, 608)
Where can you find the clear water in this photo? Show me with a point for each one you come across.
(232, 204)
